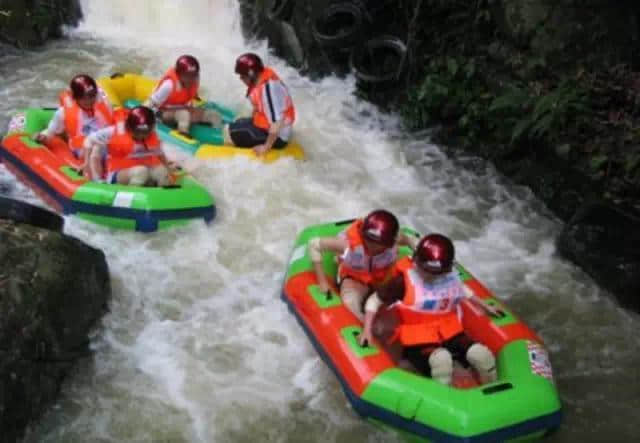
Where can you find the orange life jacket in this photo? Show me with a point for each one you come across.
(179, 95)
(429, 313)
(74, 118)
(356, 263)
(255, 93)
(125, 152)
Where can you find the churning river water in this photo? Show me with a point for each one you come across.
(198, 346)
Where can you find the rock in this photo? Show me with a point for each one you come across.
(605, 241)
(562, 188)
(53, 289)
(26, 24)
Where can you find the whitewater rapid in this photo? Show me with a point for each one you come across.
(197, 345)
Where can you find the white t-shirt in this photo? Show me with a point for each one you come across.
(56, 125)
(275, 97)
(160, 94)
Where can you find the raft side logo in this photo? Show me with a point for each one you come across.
(17, 123)
(539, 360)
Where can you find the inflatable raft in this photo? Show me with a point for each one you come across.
(205, 141)
(522, 403)
(52, 172)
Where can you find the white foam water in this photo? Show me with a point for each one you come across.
(198, 346)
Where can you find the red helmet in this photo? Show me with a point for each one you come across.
(381, 227)
(83, 86)
(187, 64)
(434, 254)
(141, 119)
(249, 64)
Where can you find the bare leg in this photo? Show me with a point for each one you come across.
(483, 362)
(93, 162)
(201, 115)
(441, 365)
(227, 136)
(353, 294)
(160, 175)
(135, 176)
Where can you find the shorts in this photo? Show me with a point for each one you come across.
(245, 134)
(419, 355)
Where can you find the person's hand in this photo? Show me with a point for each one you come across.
(40, 138)
(260, 149)
(85, 170)
(365, 338)
(323, 285)
(493, 312)
(173, 166)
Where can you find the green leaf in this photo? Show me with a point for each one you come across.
(542, 126)
(452, 66)
(544, 105)
(520, 129)
(597, 161)
(563, 150)
(631, 163)
(470, 69)
(513, 99)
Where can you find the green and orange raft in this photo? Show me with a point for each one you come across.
(522, 404)
(52, 172)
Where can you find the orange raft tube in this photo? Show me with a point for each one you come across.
(52, 172)
(522, 403)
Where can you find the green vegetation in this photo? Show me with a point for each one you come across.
(555, 80)
(25, 23)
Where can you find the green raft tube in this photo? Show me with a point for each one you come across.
(522, 404)
(52, 172)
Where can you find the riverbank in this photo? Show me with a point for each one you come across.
(28, 24)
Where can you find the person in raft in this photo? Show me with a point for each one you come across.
(83, 109)
(367, 250)
(273, 111)
(131, 150)
(173, 98)
(427, 292)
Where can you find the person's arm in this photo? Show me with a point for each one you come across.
(102, 96)
(386, 295)
(56, 126)
(160, 95)
(480, 303)
(171, 166)
(407, 240)
(274, 131)
(319, 245)
(94, 146)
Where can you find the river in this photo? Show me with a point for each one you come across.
(198, 346)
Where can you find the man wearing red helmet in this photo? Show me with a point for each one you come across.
(426, 292)
(273, 112)
(133, 150)
(83, 110)
(367, 252)
(174, 95)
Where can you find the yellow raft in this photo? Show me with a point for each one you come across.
(205, 141)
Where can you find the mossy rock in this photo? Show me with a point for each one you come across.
(53, 289)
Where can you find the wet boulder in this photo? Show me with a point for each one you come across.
(28, 23)
(605, 241)
(53, 289)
